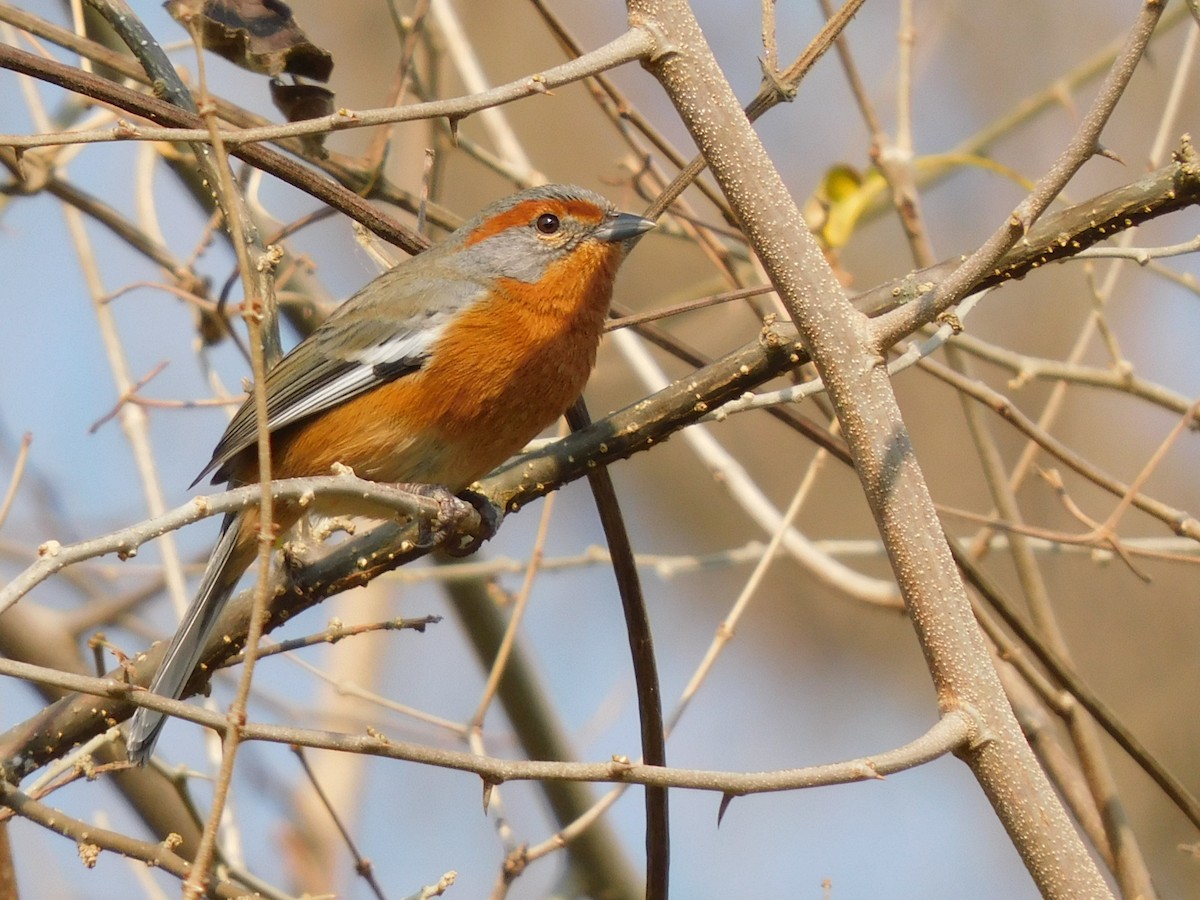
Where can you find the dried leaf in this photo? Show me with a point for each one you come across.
(259, 35)
(303, 101)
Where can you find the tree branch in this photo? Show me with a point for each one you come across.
(841, 345)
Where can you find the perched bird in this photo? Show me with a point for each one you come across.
(434, 373)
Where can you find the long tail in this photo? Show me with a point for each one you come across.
(225, 567)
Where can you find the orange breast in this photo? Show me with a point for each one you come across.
(503, 371)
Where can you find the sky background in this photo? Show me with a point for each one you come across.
(811, 677)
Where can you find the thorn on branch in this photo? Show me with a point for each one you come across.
(1101, 150)
(726, 799)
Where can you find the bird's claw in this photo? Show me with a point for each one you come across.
(445, 530)
(490, 517)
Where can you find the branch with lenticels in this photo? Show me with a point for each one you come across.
(636, 428)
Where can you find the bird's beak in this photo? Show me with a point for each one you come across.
(623, 227)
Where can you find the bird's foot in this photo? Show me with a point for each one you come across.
(450, 529)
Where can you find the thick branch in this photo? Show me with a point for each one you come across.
(840, 342)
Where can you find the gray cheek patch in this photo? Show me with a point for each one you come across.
(518, 254)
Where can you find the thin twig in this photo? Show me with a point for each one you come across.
(631, 45)
(261, 323)
(645, 666)
(362, 865)
(14, 482)
(1084, 144)
(93, 839)
(947, 735)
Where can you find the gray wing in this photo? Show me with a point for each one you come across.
(358, 348)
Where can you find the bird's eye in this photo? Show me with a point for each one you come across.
(547, 223)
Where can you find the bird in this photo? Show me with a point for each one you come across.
(434, 373)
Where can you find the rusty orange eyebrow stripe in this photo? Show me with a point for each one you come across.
(523, 213)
